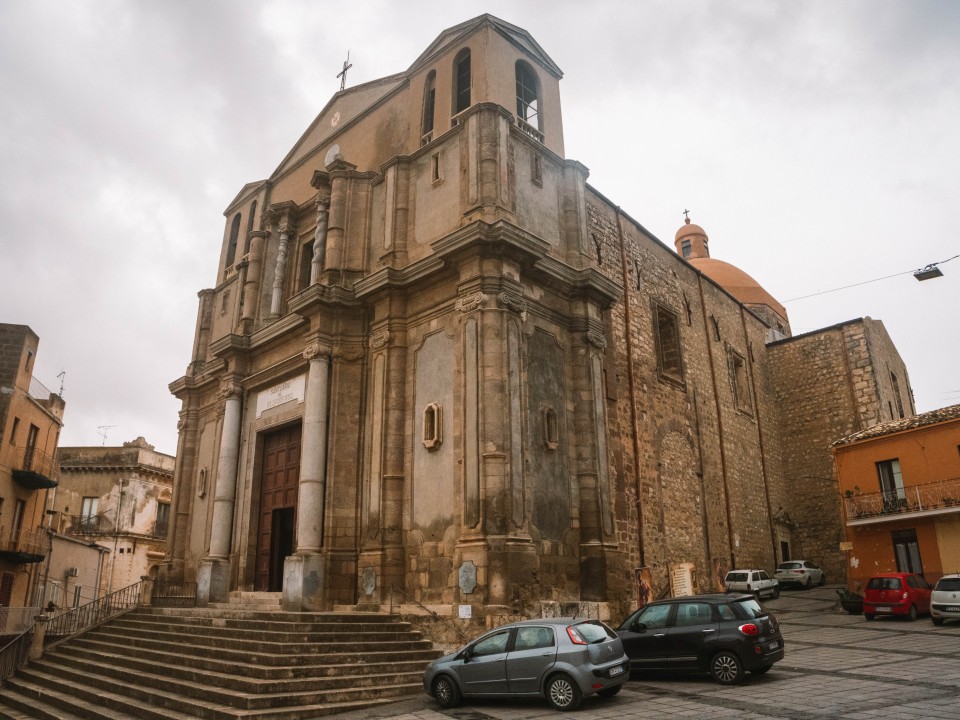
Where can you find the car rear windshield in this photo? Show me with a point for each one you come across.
(883, 584)
(594, 631)
(750, 608)
(736, 577)
(948, 584)
(788, 566)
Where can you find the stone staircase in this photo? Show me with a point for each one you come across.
(239, 660)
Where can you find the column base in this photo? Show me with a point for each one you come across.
(213, 582)
(303, 582)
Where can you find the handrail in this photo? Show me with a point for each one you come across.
(940, 495)
(394, 588)
(95, 612)
(14, 654)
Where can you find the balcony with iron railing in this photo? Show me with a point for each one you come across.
(34, 469)
(25, 546)
(96, 524)
(936, 498)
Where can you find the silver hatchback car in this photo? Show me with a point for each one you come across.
(945, 599)
(561, 659)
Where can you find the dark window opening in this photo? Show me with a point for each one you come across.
(528, 100)
(246, 240)
(740, 381)
(232, 243)
(685, 248)
(891, 485)
(461, 98)
(896, 394)
(306, 260)
(667, 334)
(906, 549)
(429, 103)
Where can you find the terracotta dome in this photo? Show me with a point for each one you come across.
(689, 229)
(736, 282)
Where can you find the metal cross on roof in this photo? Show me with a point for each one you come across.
(686, 214)
(343, 73)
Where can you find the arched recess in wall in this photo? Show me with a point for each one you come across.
(232, 244)
(429, 104)
(461, 81)
(246, 240)
(529, 100)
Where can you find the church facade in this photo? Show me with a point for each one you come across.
(438, 366)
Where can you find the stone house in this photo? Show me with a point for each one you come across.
(30, 420)
(438, 366)
(117, 498)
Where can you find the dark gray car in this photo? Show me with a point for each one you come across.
(560, 659)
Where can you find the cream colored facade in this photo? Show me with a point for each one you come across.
(119, 499)
(438, 366)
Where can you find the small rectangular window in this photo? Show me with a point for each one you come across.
(685, 248)
(740, 382)
(667, 336)
(435, 167)
(306, 260)
(13, 432)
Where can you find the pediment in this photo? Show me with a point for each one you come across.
(515, 35)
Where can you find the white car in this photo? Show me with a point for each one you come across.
(945, 599)
(800, 572)
(752, 581)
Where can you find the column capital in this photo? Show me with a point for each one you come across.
(513, 303)
(471, 301)
(317, 350)
(379, 339)
(595, 339)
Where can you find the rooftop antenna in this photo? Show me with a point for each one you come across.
(343, 73)
(103, 432)
(63, 377)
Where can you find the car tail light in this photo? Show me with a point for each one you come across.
(749, 629)
(575, 637)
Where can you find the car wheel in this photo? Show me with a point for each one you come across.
(937, 621)
(563, 693)
(809, 582)
(726, 668)
(823, 579)
(912, 615)
(609, 692)
(776, 593)
(761, 670)
(869, 616)
(445, 692)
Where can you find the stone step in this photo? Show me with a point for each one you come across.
(154, 704)
(175, 663)
(143, 619)
(242, 693)
(280, 645)
(146, 647)
(275, 632)
(269, 615)
(414, 660)
(149, 673)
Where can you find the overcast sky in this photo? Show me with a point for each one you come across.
(817, 144)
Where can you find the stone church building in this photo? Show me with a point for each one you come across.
(438, 366)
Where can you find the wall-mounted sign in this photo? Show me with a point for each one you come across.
(846, 545)
(287, 391)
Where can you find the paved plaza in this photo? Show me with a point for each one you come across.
(836, 666)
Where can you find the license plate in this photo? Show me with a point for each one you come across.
(883, 609)
(616, 670)
(775, 644)
(952, 608)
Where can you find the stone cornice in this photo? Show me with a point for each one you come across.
(276, 372)
(397, 278)
(588, 282)
(323, 294)
(275, 330)
(229, 344)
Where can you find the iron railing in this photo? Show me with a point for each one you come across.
(15, 654)
(91, 524)
(93, 613)
(914, 498)
(32, 541)
(28, 457)
(174, 593)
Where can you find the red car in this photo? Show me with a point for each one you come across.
(896, 594)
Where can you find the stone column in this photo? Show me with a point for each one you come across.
(320, 237)
(276, 300)
(251, 288)
(303, 572)
(214, 573)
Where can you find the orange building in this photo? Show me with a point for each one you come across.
(900, 482)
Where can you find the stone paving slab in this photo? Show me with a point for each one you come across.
(837, 666)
